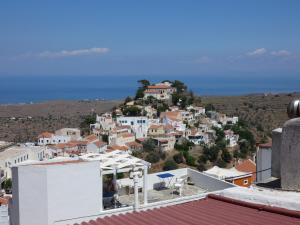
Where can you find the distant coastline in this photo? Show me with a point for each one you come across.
(36, 89)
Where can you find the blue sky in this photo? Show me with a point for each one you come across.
(156, 37)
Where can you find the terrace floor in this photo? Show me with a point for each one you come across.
(163, 194)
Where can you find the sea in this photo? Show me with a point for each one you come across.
(32, 89)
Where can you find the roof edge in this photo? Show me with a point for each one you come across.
(261, 207)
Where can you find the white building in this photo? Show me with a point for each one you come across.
(196, 138)
(18, 154)
(159, 91)
(173, 118)
(138, 124)
(121, 139)
(73, 133)
(47, 138)
(231, 138)
(46, 193)
(197, 111)
(96, 147)
(104, 122)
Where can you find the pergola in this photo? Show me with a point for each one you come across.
(119, 162)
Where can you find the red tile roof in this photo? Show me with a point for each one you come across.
(159, 87)
(127, 135)
(100, 144)
(267, 145)
(152, 91)
(213, 210)
(45, 135)
(4, 200)
(91, 138)
(247, 166)
(111, 148)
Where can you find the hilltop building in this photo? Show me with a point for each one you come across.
(160, 91)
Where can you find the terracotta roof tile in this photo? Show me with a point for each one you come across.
(126, 135)
(134, 144)
(100, 143)
(111, 148)
(247, 166)
(159, 87)
(91, 138)
(266, 145)
(4, 201)
(45, 135)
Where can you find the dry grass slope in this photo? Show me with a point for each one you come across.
(32, 119)
(263, 112)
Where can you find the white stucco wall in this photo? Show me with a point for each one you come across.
(43, 194)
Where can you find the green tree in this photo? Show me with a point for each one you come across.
(144, 83)
(202, 159)
(226, 156)
(221, 163)
(7, 184)
(210, 107)
(201, 167)
(152, 157)
(170, 165)
(178, 158)
(104, 138)
(131, 111)
(149, 145)
(190, 160)
(139, 93)
(180, 86)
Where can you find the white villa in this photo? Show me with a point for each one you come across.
(18, 154)
(47, 138)
(138, 124)
(161, 91)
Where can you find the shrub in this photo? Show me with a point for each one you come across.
(190, 160)
(221, 163)
(170, 165)
(201, 167)
(153, 157)
(149, 145)
(178, 158)
(7, 185)
(226, 156)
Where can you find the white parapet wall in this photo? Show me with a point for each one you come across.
(207, 182)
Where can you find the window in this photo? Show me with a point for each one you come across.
(245, 182)
(132, 122)
(144, 121)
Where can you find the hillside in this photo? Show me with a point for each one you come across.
(23, 123)
(263, 112)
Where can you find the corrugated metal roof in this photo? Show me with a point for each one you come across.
(216, 210)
